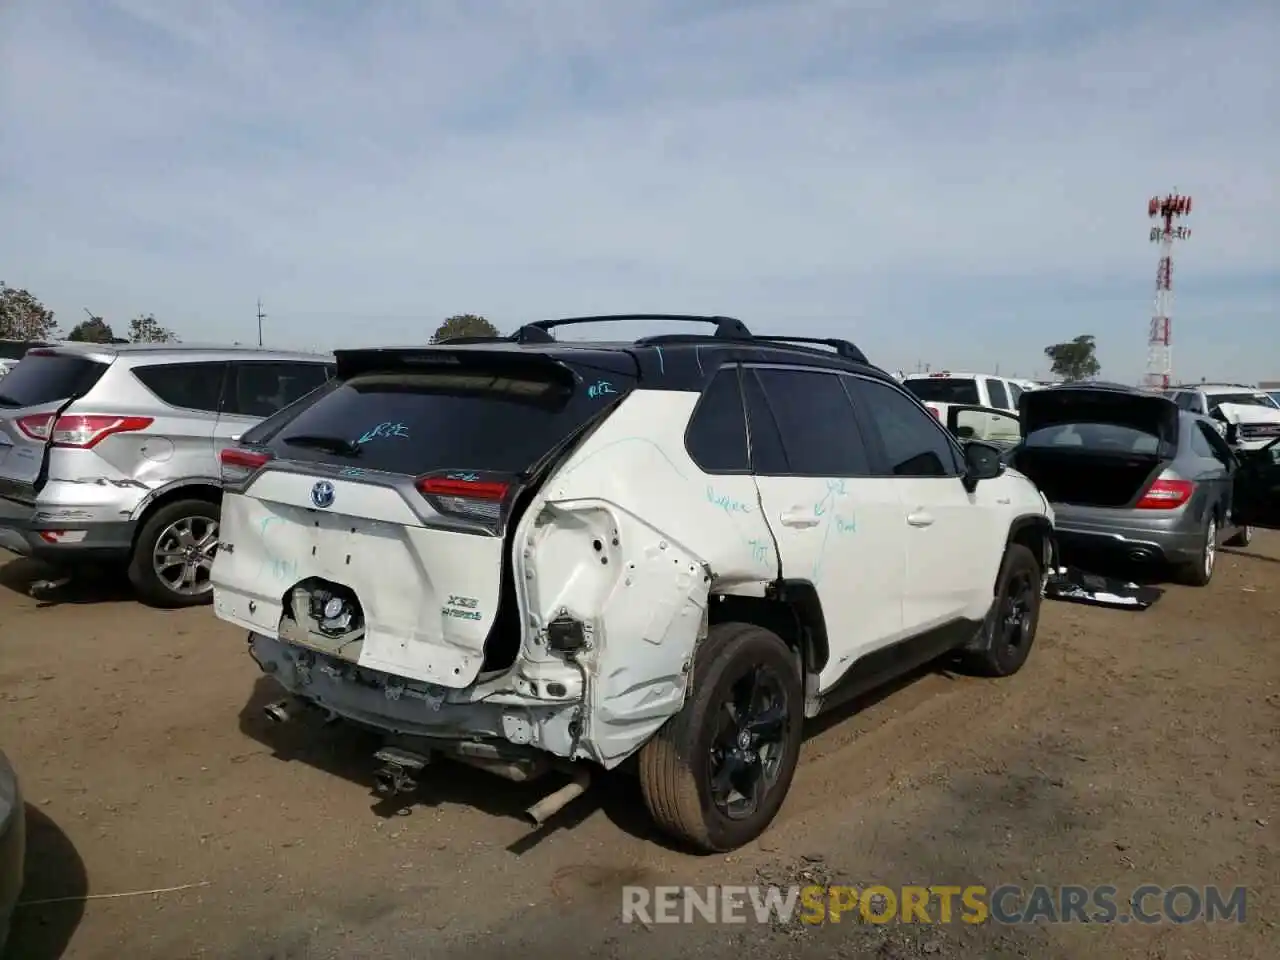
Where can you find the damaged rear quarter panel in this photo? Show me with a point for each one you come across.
(630, 537)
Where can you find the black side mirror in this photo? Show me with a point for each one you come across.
(983, 461)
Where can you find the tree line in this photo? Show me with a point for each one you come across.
(24, 317)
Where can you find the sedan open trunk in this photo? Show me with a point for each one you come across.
(1087, 478)
(1094, 446)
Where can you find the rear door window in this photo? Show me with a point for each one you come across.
(963, 390)
(717, 437)
(999, 397)
(191, 386)
(258, 388)
(466, 418)
(815, 418)
(768, 459)
(44, 377)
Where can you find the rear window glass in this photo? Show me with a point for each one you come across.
(48, 377)
(413, 422)
(945, 389)
(1094, 438)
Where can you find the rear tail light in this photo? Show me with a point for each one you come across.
(934, 410)
(239, 464)
(466, 498)
(81, 431)
(1166, 495)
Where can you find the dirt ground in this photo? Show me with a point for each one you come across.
(1134, 747)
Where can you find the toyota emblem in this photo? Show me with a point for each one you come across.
(322, 494)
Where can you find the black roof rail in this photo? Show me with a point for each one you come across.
(843, 348)
(727, 328)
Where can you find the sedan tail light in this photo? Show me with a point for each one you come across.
(81, 430)
(1166, 495)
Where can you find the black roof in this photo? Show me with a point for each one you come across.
(679, 361)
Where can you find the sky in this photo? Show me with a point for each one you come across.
(948, 182)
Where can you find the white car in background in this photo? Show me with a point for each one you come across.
(983, 406)
(938, 390)
(1255, 413)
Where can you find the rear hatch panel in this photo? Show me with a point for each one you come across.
(412, 581)
(32, 396)
(372, 494)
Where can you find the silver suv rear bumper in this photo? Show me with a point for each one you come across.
(58, 534)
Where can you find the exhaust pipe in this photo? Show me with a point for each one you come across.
(278, 712)
(550, 805)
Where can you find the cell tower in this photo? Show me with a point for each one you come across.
(1166, 211)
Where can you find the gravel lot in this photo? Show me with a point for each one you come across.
(1135, 747)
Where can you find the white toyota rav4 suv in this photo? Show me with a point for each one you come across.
(530, 555)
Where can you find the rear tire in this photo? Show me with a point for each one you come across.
(1009, 630)
(1198, 572)
(717, 772)
(186, 529)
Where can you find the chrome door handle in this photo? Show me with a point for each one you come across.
(920, 519)
(798, 519)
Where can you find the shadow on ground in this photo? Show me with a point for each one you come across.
(86, 586)
(347, 751)
(54, 871)
(1244, 554)
(1109, 565)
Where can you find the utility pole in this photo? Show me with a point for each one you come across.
(1166, 210)
(261, 316)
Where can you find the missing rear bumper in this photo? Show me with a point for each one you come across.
(498, 713)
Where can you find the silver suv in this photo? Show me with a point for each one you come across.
(110, 453)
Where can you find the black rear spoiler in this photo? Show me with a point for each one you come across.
(350, 363)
